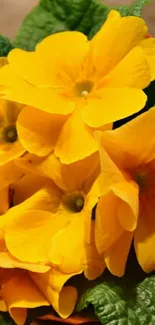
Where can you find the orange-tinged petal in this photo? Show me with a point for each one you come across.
(110, 35)
(45, 99)
(67, 246)
(67, 58)
(128, 208)
(38, 131)
(94, 263)
(3, 306)
(76, 141)
(132, 71)
(20, 293)
(116, 256)
(7, 261)
(110, 173)
(107, 226)
(148, 46)
(9, 173)
(144, 239)
(112, 104)
(4, 202)
(22, 189)
(28, 236)
(12, 151)
(121, 146)
(48, 167)
(62, 298)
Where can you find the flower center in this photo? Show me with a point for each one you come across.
(10, 134)
(74, 202)
(83, 88)
(141, 179)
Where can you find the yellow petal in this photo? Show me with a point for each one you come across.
(65, 61)
(75, 176)
(28, 236)
(9, 173)
(128, 208)
(112, 104)
(116, 256)
(7, 261)
(67, 246)
(38, 131)
(4, 202)
(30, 67)
(19, 293)
(94, 263)
(132, 71)
(46, 99)
(76, 141)
(144, 239)
(107, 226)
(121, 146)
(63, 299)
(111, 45)
(148, 46)
(22, 189)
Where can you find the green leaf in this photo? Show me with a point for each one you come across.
(5, 46)
(122, 302)
(52, 16)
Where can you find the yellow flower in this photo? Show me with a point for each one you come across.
(29, 193)
(10, 146)
(18, 293)
(73, 86)
(45, 216)
(63, 216)
(126, 207)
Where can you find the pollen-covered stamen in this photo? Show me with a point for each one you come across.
(9, 134)
(84, 93)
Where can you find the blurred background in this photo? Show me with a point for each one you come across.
(12, 13)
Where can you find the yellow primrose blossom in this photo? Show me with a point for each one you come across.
(126, 208)
(73, 86)
(29, 193)
(18, 293)
(10, 146)
(55, 216)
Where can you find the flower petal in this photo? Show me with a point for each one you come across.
(19, 293)
(110, 37)
(107, 227)
(94, 263)
(29, 66)
(132, 71)
(28, 236)
(112, 104)
(121, 146)
(66, 51)
(148, 46)
(63, 299)
(9, 173)
(68, 257)
(116, 256)
(128, 208)
(38, 131)
(76, 141)
(144, 239)
(46, 99)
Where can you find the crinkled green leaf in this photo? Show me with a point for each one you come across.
(5, 46)
(52, 16)
(121, 302)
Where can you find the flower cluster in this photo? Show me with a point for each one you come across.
(74, 192)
